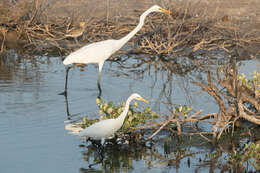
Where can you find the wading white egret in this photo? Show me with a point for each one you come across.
(107, 128)
(97, 53)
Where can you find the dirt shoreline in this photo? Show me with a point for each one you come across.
(221, 24)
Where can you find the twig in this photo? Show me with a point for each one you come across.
(158, 130)
(4, 31)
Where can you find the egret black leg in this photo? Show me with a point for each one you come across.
(98, 83)
(100, 150)
(67, 108)
(66, 82)
(101, 156)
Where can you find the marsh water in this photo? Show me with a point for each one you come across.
(33, 116)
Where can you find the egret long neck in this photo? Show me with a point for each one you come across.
(121, 118)
(126, 38)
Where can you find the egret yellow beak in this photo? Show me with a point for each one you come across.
(142, 99)
(165, 11)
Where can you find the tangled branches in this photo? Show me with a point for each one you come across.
(238, 98)
(243, 98)
(160, 35)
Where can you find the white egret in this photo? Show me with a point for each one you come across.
(97, 53)
(107, 128)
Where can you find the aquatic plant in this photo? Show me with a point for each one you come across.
(252, 83)
(142, 120)
(250, 154)
(134, 117)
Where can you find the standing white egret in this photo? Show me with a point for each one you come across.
(107, 128)
(98, 52)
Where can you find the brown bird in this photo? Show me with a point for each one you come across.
(76, 32)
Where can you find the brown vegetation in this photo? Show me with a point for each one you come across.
(41, 25)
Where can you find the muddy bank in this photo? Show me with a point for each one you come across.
(42, 25)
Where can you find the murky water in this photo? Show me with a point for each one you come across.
(32, 114)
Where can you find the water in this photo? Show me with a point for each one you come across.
(32, 115)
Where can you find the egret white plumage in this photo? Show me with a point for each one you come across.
(99, 52)
(107, 128)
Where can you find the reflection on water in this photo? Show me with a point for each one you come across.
(188, 154)
(171, 75)
(32, 114)
(124, 157)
